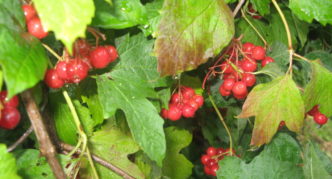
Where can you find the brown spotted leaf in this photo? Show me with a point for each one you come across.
(190, 32)
(271, 103)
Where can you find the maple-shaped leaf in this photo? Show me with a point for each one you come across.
(271, 103)
(319, 90)
(190, 32)
(176, 140)
(127, 87)
(114, 146)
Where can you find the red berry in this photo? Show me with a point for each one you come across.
(188, 111)
(198, 99)
(13, 102)
(220, 151)
(211, 151)
(175, 98)
(204, 159)
(228, 84)
(112, 52)
(81, 48)
(226, 67)
(214, 169)
(247, 47)
(320, 118)
(258, 53)
(53, 80)
(314, 110)
(248, 65)
(77, 70)
(36, 29)
(29, 11)
(211, 162)
(61, 69)
(239, 97)
(10, 117)
(249, 79)
(99, 57)
(267, 60)
(164, 113)
(239, 88)
(207, 170)
(174, 113)
(193, 104)
(281, 124)
(187, 92)
(224, 92)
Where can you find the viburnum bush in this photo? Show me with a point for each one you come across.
(165, 89)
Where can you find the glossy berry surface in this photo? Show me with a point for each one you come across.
(314, 110)
(36, 29)
(211, 151)
(188, 111)
(99, 57)
(112, 52)
(53, 80)
(10, 117)
(240, 88)
(320, 118)
(199, 100)
(29, 11)
(187, 92)
(77, 70)
(266, 61)
(249, 79)
(258, 53)
(61, 69)
(228, 84)
(226, 67)
(223, 91)
(249, 65)
(174, 113)
(13, 102)
(248, 47)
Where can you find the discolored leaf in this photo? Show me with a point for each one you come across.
(307, 10)
(319, 90)
(7, 164)
(187, 38)
(68, 19)
(176, 140)
(271, 103)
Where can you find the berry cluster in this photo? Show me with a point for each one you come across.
(34, 24)
(237, 74)
(10, 116)
(211, 158)
(74, 70)
(183, 103)
(318, 117)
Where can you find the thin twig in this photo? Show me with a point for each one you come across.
(47, 149)
(238, 7)
(20, 140)
(115, 169)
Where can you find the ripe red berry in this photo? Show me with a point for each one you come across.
(248, 47)
(53, 80)
(226, 67)
(228, 84)
(249, 79)
(223, 91)
(164, 113)
(248, 65)
(239, 88)
(207, 170)
(214, 169)
(99, 57)
(281, 124)
(258, 53)
(211, 151)
(29, 11)
(198, 99)
(36, 29)
(175, 98)
(188, 111)
(61, 69)
(112, 52)
(204, 159)
(187, 92)
(77, 70)
(193, 104)
(314, 110)
(174, 113)
(10, 117)
(320, 118)
(220, 151)
(13, 102)
(267, 60)
(81, 48)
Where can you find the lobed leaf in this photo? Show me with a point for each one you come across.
(262, 6)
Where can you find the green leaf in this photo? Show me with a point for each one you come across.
(33, 166)
(23, 60)
(121, 14)
(68, 19)
(319, 90)
(272, 69)
(249, 34)
(307, 10)
(11, 15)
(271, 103)
(313, 165)
(279, 52)
(153, 17)
(302, 29)
(262, 6)
(114, 146)
(323, 56)
(7, 164)
(127, 87)
(279, 159)
(176, 140)
(186, 39)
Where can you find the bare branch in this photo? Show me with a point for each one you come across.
(238, 7)
(115, 169)
(21, 139)
(46, 147)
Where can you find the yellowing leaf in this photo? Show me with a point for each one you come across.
(271, 103)
(187, 37)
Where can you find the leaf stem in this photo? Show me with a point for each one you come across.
(223, 122)
(301, 57)
(52, 52)
(255, 29)
(81, 132)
